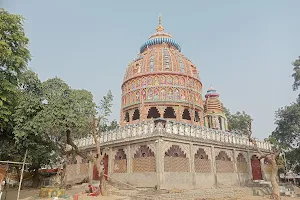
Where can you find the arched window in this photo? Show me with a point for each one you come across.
(186, 114)
(136, 115)
(153, 113)
(169, 113)
(152, 63)
(167, 59)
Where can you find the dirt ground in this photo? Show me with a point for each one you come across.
(115, 194)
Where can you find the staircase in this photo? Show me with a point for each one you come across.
(264, 188)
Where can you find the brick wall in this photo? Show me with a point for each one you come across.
(144, 164)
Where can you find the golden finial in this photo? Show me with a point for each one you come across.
(160, 27)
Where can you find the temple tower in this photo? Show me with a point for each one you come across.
(214, 116)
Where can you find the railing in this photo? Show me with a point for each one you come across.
(131, 132)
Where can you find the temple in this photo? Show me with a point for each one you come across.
(162, 83)
(170, 136)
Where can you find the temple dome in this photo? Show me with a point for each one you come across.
(161, 76)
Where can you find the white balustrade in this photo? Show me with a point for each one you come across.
(171, 128)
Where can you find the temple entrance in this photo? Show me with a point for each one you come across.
(104, 165)
(256, 168)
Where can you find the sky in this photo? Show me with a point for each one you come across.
(244, 49)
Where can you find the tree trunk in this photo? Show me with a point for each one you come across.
(102, 183)
(36, 178)
(275, 185)
(63, 177)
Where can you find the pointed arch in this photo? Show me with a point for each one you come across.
(120, 155)
(143, 151)
(175, 151)
(150, 94)
(170, 94)
(144, 160)
(176, 81)
(177, 95)
(182, 95)
(163, 80)
(163, 94)
(186, 114)
(201, 154)
(137, 96)
(153, 113)
(136, 115)
(169, 80)
(169, 113)
(149, 81)
(176, 160)
(156, 94)
(223, 156)
(166, 59)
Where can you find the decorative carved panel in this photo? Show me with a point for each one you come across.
(143, 151)
(175, 151)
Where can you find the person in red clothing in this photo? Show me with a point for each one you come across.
(93, 191)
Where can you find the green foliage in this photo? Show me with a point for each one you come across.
(108, 127)
(287, 131)
(46, 111)
(14, 57)
(296, 74)
(237, 122)
(105, 105)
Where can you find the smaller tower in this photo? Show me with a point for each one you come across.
(214, 116)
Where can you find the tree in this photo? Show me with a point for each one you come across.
(14, 57)
(41, 151)
(287, 133)
(104, 112)
(237, 122)
(46, 128)
(108, 127)
(296, 74)
(270, 158)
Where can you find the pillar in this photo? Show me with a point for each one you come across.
(91, 166)
(110, 161)
(213, 165)
(129, 159)
(235, 166)
(159, 155)
(192, 164)
(249, 165)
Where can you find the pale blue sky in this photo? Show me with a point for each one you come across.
(243, 48)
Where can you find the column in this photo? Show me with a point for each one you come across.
(90, 171)
(213, 164)
(159, 157)
(130, 116)
(129, 159)
(235, 166)
(192, 164)
(110, 161)
(249, 164)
